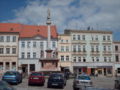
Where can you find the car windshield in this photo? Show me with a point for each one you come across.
(36, 74)
(56, 76)
(83, 77)
(10, 73)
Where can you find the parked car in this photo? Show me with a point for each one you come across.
(5, 86)
(36, 78)
(81, 81)
(56, 80)
(117, 83)
(12, 77)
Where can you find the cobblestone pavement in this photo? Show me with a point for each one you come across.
(98, 82)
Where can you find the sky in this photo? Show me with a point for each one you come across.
(65, 14)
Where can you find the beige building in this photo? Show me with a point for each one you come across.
(64, 52)
(116, 52)
(90, 51)
(8, 51)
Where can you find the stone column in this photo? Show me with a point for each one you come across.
(10, 68)
(4, 66)
(28, 69)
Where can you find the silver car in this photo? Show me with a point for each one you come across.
(82, 81)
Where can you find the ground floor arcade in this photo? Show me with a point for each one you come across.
(101, 69)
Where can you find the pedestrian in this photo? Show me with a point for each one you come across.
(96, 73)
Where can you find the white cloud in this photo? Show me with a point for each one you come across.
(100, 14)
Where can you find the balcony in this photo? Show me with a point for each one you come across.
(78, 42)
(79, 53)
(107, 53)
(95, 53)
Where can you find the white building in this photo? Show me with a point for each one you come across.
(91, 51)
(33, 45)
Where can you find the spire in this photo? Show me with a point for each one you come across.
(48, 17)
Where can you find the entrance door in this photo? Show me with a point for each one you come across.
(24, 68)
(92, 71)
(104, 71)
(32, 67)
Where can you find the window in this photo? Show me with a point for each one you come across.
(62, 48)
(105, 59)
(22, 44)
(109, 59)
(28, 55)
(41, 45)
(116, 48)
(34, 54)
(1, 50)
(67, 41)
(7, 50)
(97, 59)
(118, 70)
(34, 44)
(74, 48)
(67, 58)
(108, 38)
(84, 49)
(104, 38)
(8, 38)
(67, 48)
(78, 37)
(13, 50)
(92, 48)
(96, 38)
(79, 59)
(22, 55)
(74, 59)
(74, 37)
(1, 38)
(28, 44)
(14, 38)
(109, 48)
(117, 58)
(53, 44)
(104, 48)
(79, 48)
(84, 59)
(97, 49)
(62, 40)
(93, 59)
(62, 58)
(83, 37)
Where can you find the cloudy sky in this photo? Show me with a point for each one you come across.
(65, 14)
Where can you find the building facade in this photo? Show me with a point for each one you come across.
(91, 51)
(8, 50)
(116, 53)
(64, 52)
(33, 46)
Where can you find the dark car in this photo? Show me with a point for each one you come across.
(36, 78)
(12, 77)
(56, 80)
(5, 86)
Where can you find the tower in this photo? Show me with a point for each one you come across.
(49, 63)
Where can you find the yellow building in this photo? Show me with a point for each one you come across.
(8, 51)
(64, 52)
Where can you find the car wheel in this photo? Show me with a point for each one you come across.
(62, 86)
(48, 86)
(75, 88)
(42, 84)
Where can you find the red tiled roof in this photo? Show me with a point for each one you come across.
(27, 31)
